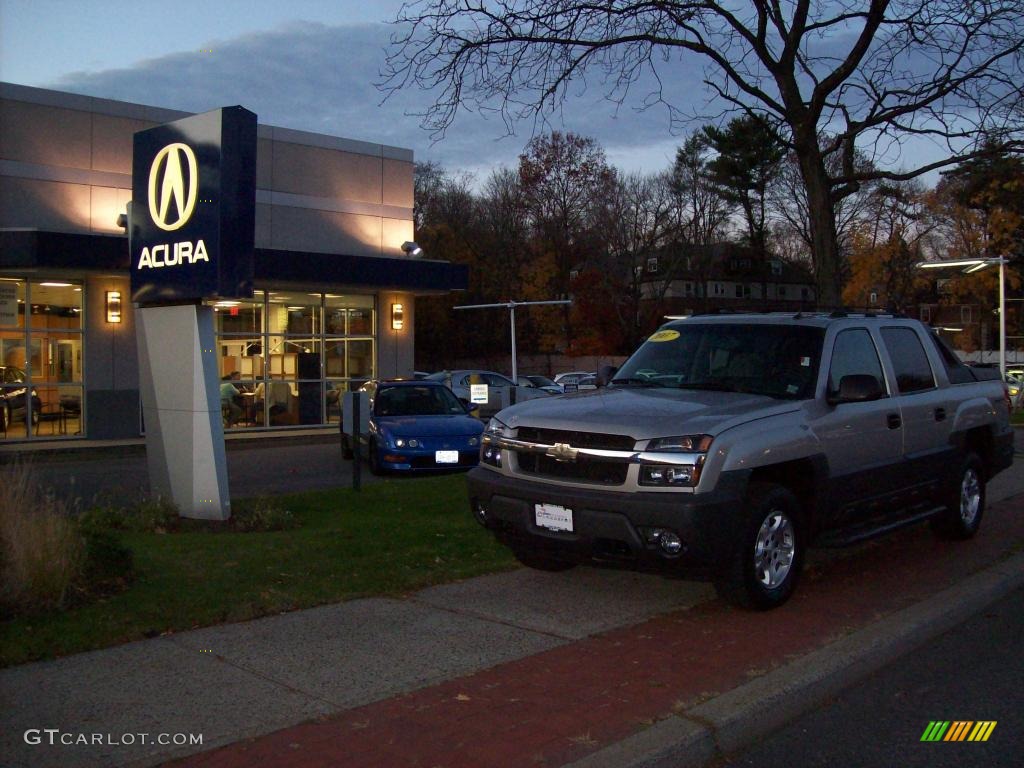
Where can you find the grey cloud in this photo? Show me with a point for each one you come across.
(321, 78)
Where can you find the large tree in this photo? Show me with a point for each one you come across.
(749, 158)
(563, 176)
(871, 73)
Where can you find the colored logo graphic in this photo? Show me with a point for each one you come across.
(168, 172)
(959, 730)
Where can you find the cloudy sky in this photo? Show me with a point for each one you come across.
(306, 64)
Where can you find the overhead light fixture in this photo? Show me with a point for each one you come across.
(113, 306)
(397, 317)
(412, 249)
(55, 285)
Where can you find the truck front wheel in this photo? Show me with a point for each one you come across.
(765, 563)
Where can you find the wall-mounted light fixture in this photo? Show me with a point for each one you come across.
(412, 249)
(113, 306)
(397, 317)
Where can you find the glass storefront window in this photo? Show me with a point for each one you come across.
(285, 368)
(41, 354)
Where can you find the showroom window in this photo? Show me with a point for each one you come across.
(286, 356)
(41, 357)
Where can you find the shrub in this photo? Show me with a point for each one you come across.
(109, 565)
(41, 549)
(148, 516)
(261, 514)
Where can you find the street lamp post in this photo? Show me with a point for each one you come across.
(511, 307)
(976, 265)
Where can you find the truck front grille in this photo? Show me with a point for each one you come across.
(582, 470)
(576, 439)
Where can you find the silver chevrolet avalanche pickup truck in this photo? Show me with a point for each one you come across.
(729, 443)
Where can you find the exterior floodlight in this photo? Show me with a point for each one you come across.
(411, 248)
(122, 221)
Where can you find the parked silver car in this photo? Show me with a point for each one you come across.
(499, 388)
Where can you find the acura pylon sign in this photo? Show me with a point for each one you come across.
(193, 213)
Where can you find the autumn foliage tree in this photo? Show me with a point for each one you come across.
(872, 74)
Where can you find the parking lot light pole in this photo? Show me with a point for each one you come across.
(511, 307)
(976, 265)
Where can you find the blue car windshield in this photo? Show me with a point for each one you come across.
(417, 401)
(778, 361)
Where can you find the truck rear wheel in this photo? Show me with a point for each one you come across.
(965, 504)
(766, 562)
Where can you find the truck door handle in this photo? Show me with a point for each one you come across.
(894, 421)
(940, 414)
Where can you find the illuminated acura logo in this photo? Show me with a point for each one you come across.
(168, 171)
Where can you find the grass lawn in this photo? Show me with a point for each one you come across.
(395, 536)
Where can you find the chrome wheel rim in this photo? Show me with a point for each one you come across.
(970, 497)
(774, 549)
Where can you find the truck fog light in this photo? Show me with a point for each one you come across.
(663, 538)
(670, 543)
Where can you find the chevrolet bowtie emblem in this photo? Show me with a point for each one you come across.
(562, 452)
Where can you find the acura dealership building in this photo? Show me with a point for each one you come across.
(335, 273)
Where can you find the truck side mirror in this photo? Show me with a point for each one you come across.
(605, 374)
(857, 388)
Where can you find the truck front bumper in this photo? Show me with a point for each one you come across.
(613, 528)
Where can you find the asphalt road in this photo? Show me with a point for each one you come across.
(972, 673)
(268, 468)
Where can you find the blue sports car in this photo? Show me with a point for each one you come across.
(419, 425)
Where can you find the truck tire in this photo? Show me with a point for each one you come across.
(965, 503)
(540, 562)
(765, 564)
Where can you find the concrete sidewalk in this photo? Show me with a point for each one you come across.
(597, 667)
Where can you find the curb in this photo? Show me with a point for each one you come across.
(745, 714)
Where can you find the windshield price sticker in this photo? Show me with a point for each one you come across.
(478, 394)
(553, 517)
(667, 335)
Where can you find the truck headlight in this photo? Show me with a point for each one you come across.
(490, 452)
(671, 474)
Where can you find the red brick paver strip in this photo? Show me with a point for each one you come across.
(560, 705)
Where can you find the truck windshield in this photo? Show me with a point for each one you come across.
(778, 361)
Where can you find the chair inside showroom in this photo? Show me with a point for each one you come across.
(71, 406)
(51, 414)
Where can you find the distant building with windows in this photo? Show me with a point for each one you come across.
(726, 276)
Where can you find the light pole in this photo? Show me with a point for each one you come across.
(511, 307)
(976, 265)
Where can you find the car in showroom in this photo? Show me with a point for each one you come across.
(12, 397)
(417, 425)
